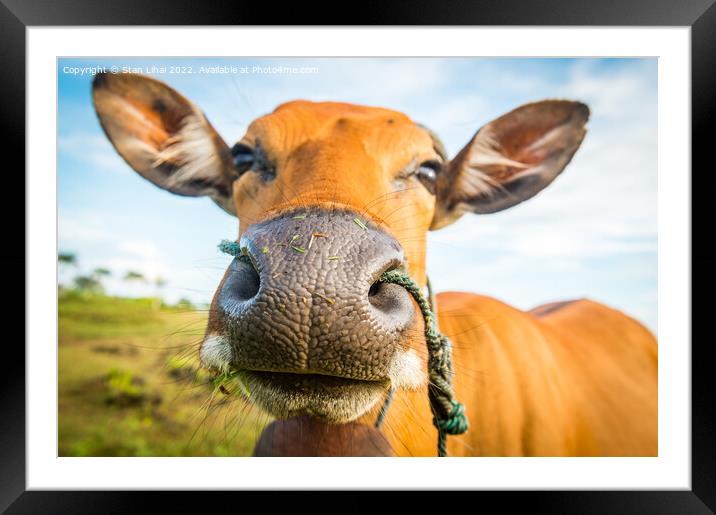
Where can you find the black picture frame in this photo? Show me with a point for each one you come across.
(17, 15)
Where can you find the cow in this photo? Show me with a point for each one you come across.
(331, 195)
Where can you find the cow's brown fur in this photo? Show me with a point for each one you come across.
(332, 154)
(579, 380)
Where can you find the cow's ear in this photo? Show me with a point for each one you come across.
(164, 136)
(510, 159)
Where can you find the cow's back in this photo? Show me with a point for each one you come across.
(613, 362)
(574, 378)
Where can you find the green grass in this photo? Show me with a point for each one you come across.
(84, 316)
(130, 384)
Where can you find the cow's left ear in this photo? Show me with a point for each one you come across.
(510, 159)
(164, 137)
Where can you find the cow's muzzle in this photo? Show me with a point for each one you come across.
(306, 317)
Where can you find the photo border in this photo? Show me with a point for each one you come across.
(699, 15)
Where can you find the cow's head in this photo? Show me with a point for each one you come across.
(329, 196)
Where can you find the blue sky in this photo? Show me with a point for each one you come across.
(592, 233)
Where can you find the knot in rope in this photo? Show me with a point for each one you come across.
(455, 423)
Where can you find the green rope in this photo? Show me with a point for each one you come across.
(448, 415)
(384, 409)
(230, 247)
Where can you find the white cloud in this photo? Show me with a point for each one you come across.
(399, 78)
(75, 230)
(88, 235)
(91, 148)
(139, 256)
(142, 249)
(614, 94)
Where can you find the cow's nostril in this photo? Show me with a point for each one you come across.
(244, 280)
(387, 298)
(374, 289)
(391, 305)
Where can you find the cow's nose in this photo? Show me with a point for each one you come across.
(310, 300)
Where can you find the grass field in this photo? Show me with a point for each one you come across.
(130, 385)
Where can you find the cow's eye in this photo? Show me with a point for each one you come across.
(252, 158)
(427, 173)
(244, 157)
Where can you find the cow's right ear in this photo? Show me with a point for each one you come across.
(164, 136)
(510, 159)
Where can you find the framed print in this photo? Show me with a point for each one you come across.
(462, 249)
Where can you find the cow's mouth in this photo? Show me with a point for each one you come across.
(330, 398)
